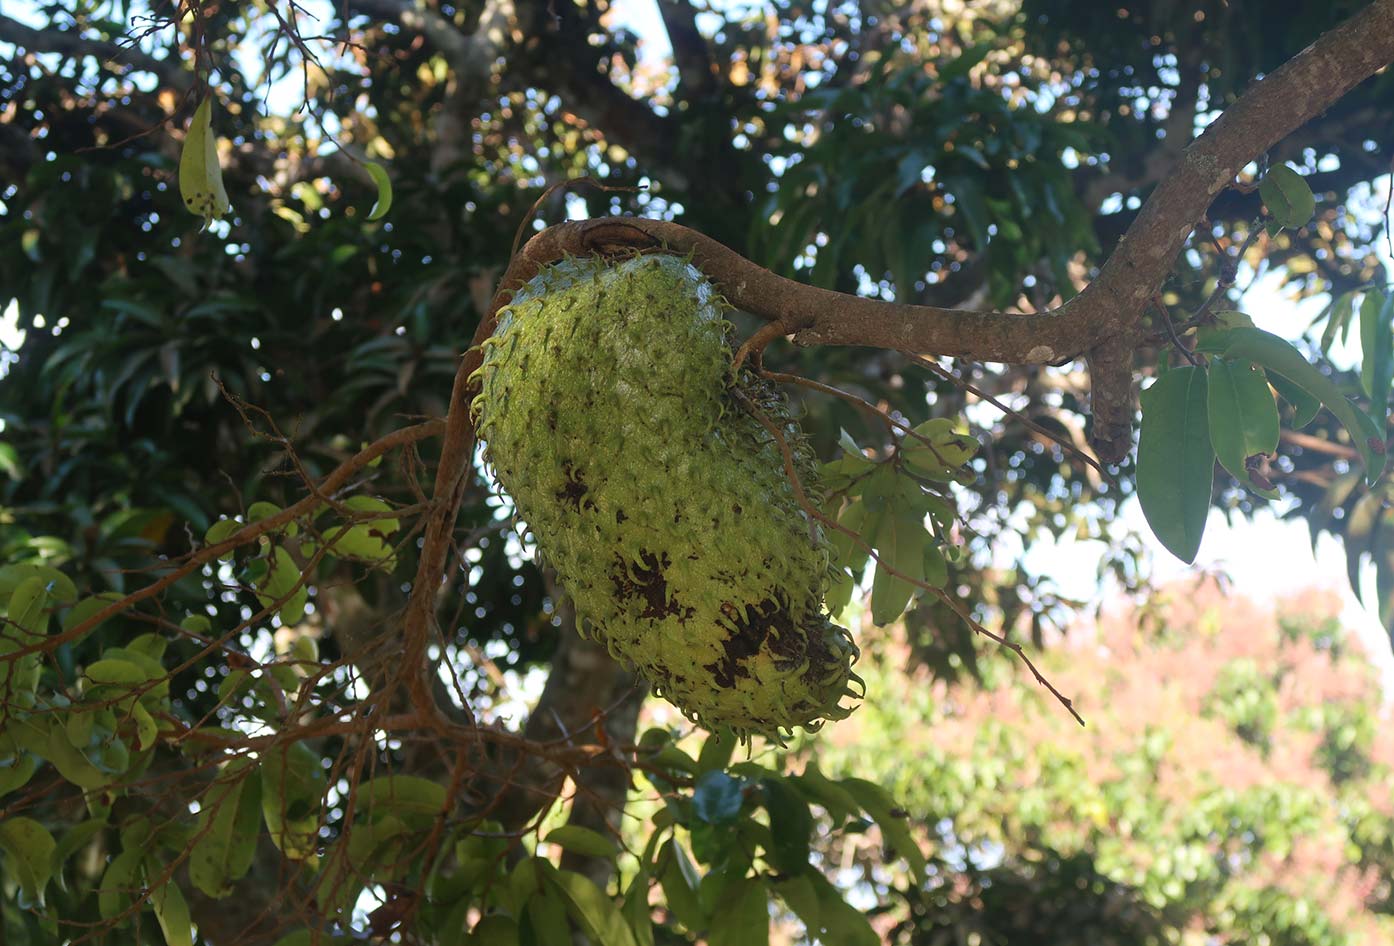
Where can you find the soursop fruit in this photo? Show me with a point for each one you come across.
(611, 416)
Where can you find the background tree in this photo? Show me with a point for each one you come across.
(990, 158)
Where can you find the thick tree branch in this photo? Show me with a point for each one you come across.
(696, 69)
(1102, 322)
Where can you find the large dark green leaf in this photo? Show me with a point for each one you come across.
(680, 881)
(791, 825)
(1243, 419)
(1175, 461)
(596, 913)
(1276, 355)
(745, 919)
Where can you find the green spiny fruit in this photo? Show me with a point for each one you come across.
(612, 418)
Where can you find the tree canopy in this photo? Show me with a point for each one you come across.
(279, 661)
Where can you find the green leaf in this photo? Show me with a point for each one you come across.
(523, 881)
(49, 740)
(368, 540)
(1288, 197)
(227, 829)
(292, 788)
(172, 912)
(1276, 355)
(221, 531)
(59, 586)
(716, 750)
(945, 453)
(28, 607)
(801, 898)
(1221, 322)
(154, 646)
(877, 802)
(16, 771)
(840, 923)
(839, 593)
(821, 790)
(936, 566)
(147, 730)
(717, 798)
(120, 884)
(791, 826)
(900, 544)
(680, 881)
(200, 174)
(850, 553)
(280, 585)
(594, 912)
(77, 838)
(28, 849)
(744, 919)
(636, 910)
(1243, 418)
(582, 840)
(1377, 349)
(87, 607)
(547, 916)
(1175, 462)
(494, 930)
(26, 625)
(9, 462)
(1338, 319)
(1305, 407)
(384, 185)
(400, 795)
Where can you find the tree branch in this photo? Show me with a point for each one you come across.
(696, 70)
(73, 45)
(1102, 322)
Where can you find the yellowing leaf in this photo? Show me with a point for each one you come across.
(200, 174)
(1279, 356)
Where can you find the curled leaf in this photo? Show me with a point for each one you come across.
(384, 184)
(200, 174)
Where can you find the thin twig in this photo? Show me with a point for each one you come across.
(976, 391)
(791, 473)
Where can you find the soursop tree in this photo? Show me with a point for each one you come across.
(270, 620)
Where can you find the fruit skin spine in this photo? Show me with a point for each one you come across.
(610, 415)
